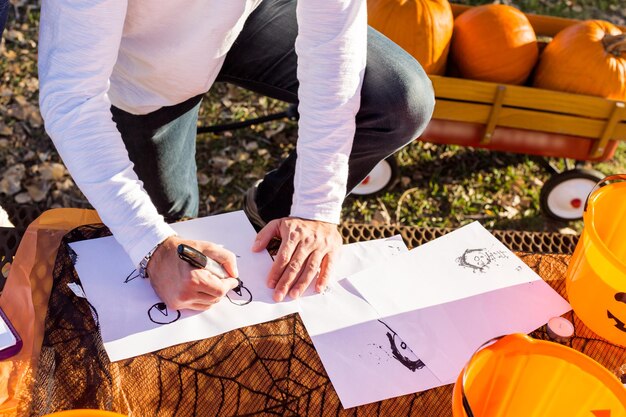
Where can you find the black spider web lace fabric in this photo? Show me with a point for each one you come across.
(266, 369)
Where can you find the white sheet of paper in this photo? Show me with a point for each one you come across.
(449, 296)
(357, 349)
(132, 319)
(465, 262)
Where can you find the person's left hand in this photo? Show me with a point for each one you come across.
(307, 250)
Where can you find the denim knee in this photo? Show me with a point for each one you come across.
(397, 95)
(411, 107)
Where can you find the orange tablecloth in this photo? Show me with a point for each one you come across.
(267, 369)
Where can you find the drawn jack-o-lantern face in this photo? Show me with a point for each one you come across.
(620, 323)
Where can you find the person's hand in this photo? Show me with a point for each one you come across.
(307, 250)
(180, 285)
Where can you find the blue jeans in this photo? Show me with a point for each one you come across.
(4, 11)
(397, 102)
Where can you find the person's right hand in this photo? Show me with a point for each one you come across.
(180, 285)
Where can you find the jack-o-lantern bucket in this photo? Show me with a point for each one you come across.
(518, 376)
(596, 276)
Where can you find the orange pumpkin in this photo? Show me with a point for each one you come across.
(586, 58)
(494, 43)
(422, 27)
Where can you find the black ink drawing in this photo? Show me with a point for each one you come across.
(134, 274)
(159, 314)
(480, 260)
(395, 247)
(401, 352)
(242, 295)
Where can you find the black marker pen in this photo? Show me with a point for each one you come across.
(198, 259)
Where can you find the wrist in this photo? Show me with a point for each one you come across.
(143, 264)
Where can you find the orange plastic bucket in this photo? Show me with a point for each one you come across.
(518, 376)
(596, 276)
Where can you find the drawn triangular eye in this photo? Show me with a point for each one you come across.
(159, 314)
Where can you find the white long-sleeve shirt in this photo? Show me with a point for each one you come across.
(141, 55)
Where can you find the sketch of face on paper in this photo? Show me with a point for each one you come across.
(397, 350)
(480, 260)
(159, 313)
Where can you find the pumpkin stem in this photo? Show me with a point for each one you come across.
(615, 44)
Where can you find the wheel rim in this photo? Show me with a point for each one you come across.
(376, 180)
(566, 199)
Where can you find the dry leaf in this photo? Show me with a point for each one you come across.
(5, 130)
(221, 163)
(11, 181)
(223, 181)
(269, 133)
(51, 171)
(14, 36)
(203, 179)
(66, 185)
(38, 190)
(23, 198)
(251, 146)
(381, 217)
(243, 156)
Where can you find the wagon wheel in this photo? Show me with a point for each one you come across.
(384, 175)
(563, 195)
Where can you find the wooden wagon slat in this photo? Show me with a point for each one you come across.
(600, 145)
(523, 97)
(526, 119)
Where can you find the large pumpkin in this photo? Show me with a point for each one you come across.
(586, 58)
(494, 43)
(423, 28)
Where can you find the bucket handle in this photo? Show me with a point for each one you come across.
(466, 404)
(602, 183)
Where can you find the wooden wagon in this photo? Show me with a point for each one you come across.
(526, 120)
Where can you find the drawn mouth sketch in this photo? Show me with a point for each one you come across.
(401, 352)
(480, 260)
(159, 314)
